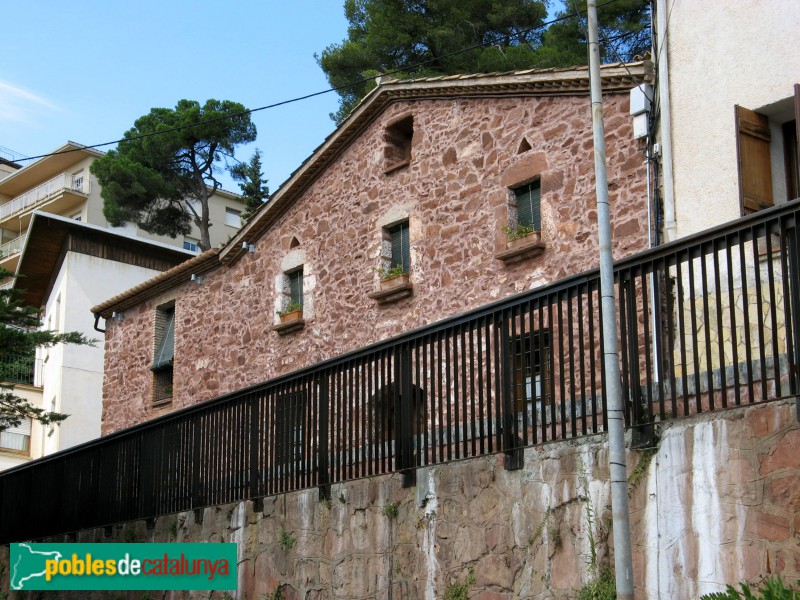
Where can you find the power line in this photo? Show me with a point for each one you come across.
(492, 42)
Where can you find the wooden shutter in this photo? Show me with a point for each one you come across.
(755, 170)
(400, 246)
(529, 203)
(791, 153)
(165, 351)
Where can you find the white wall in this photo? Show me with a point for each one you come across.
(73, 375)
(721, 54)
(12, 459)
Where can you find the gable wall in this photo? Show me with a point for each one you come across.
(455, 194)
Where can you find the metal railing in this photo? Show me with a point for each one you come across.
(13, 247)
(705, 323)
(56, 185)
(22, 369)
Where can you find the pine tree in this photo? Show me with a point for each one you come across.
(252, 183)
(20, 336)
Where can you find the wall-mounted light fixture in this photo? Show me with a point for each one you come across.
(197, 279)
(251, 248)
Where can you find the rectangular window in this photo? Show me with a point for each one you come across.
(295, 286)
(232, 217)
(17, 439)
(401, 254)
(77, 181)
(529, 205)
(290, 411)
(191, 245)
(399, 136)
(164, 354)
(532, 370)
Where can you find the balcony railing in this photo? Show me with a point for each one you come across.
(12, 247)
(22, 369)
(705, 323)
(56, 185)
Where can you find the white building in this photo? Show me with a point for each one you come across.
(732, 111)
(54, 233)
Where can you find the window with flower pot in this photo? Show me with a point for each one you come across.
(399, 259)
(525, 211)
(293, 289)
(163, 353)
(290, 313)
(398, 138)
(522, 236)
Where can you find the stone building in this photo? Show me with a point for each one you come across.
(436, 175)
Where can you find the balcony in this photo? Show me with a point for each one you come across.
(62, 192)
(25, 370)
(9, 253)
(706, 323)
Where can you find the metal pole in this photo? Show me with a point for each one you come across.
(665, 117)
(616, 422)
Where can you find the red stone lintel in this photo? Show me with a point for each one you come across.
(522, 248)
(289, 326)
(393, 289)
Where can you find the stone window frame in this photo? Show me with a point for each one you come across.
(293, 261)
(527, 170)
(398, 140)
(162, 375)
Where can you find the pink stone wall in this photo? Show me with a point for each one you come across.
(454, 193)
(716, 504)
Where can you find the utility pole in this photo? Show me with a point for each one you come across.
(623, 564)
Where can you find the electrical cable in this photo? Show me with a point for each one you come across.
(492, 42)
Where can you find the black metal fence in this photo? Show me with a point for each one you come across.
(705, 323)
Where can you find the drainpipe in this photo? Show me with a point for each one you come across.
(662, 63)
(96, 321)
(623, 563)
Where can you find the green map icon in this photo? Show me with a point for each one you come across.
(28, 564)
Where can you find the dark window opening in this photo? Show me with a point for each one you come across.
(293, 289)
(791, 159)
(528, 206)
(401, 247)
(398, 143)
(532, 370)
(164, 354)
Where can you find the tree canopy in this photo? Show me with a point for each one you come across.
(163, 173)
(426, 38)
(251, 182)
(20, 336)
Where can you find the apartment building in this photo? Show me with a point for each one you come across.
(54, 235)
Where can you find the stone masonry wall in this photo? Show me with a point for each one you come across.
(455, 192)
(717, 503)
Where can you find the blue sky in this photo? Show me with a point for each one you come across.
(85, 70)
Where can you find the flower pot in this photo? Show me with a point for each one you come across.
(397, 281)
(294, 315)
(534, 237)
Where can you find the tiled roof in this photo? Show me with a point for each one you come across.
(202, 263)
(529, 82)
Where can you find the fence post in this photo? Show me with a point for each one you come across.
(255, 472)
(323, 472)
(511, 447)
(793, 251)
(404, 410)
